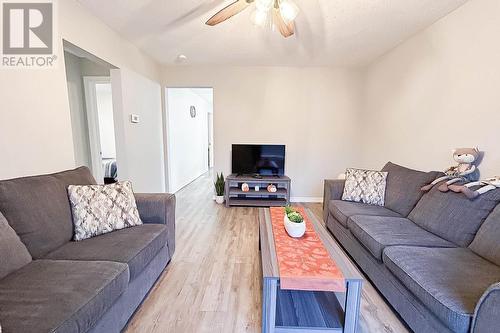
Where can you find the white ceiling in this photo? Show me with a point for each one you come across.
(329, 32)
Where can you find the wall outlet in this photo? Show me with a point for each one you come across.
(134, 118)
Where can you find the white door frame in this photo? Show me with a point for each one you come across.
(89, 84)
(210, 121)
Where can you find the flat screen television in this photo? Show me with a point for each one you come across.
(262, 160)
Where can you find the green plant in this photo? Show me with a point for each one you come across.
(289, 209)
(295, 217)
(219, 185)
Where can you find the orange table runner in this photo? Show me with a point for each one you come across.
(304, 263)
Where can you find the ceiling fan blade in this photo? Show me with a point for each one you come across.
(228, 12)
(286, 29)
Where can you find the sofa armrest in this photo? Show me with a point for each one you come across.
(333, 191)
(158, 208)
(486, 317)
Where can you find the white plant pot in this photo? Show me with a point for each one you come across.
(295, 230)
(219, 199)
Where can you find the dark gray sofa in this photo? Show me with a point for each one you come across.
(58, 285)
(435, 257)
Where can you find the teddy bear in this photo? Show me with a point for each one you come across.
(465, 170)
(487, 185)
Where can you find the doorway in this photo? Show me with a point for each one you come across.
(190, 143)
(92, 113)
(116, 120)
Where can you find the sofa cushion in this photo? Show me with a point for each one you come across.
(452, 216)
(403, 187)
(135, 246)
(449, 281)
(487, 241)
(38, 209)
(342, 210)
(376, 233)
(78, 176)
(60, 296)
(13, 253)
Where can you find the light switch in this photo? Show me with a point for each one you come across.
(134, 118)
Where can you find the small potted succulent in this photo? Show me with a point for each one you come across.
(295, 224)
(219, 189)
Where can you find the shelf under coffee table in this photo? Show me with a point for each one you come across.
(291, 310)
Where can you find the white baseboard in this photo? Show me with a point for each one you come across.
(306, 199)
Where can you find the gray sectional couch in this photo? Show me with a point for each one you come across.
(435, 256)
(48, 283)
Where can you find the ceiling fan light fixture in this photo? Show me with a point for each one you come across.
(259, 17)
(288, 10)
(274, 14)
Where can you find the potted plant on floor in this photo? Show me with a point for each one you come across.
(295, 225)
(219, 189)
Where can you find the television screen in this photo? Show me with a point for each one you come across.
(264, 160)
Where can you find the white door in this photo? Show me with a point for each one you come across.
(99, 105)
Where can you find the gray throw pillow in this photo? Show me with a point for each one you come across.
(486, 243)
(366, 186)
(453, 216)
(100, 209)
(13, 253)
(404, 187)
(38, 209)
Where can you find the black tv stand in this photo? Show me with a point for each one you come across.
(234, 195)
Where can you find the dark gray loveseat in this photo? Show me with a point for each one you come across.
(435, 256)
(93, 285)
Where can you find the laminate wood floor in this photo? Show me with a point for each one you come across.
(213, 283)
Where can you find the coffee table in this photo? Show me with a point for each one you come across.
(311, 308)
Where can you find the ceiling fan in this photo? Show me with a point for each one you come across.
(280, 13)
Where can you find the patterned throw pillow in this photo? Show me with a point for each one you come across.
(365, 186)
(99, 209)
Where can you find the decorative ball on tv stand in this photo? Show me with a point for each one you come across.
(272, 188)
(245, 187)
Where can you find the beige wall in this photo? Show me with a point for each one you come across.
(139, 146)
(79, 120)
(35, 131)
(314, 111)
(437, 91)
